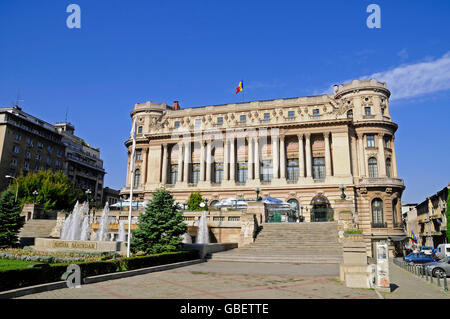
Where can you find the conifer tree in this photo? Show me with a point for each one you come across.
(10, 219)
(160, 227)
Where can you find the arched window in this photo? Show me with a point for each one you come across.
(350, 114)
(213, 203)
(373, 167)
(377, 214)
(137, 178)
(388, 167)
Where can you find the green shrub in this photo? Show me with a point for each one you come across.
(157, 259)
(18, 278)
(353, 231)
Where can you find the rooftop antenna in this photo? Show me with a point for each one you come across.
(67, 111)
(18, 100)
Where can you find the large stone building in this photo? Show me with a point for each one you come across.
(301, 150)
(29, 144)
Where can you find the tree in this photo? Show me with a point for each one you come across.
(54, 190)
(160, 227)
(10, 219)
(194, 201)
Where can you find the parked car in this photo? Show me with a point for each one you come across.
(420, 258)
(443, 250)
(428, 250)
(439, 268)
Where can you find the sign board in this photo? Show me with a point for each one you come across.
(382, 265)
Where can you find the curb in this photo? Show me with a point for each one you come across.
(90, 280)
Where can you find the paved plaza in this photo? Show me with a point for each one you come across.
(240, 280)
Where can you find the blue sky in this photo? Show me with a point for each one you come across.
(197, 52)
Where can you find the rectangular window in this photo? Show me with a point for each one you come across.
(13, 163)
(370, 140)
(40, 145)
(173, 173)
(17, 137)
(176, 124)
(16, 149)
(138, 155)
(26, 166)
(38, 157)
(220, 120)
(243, 118)
(266, 171)
(292, 169)
(318, 168)
(195, 173)
(27, 155)
(242, 172)
(291, 115)
(49, 148)
(29, 142)
(198, 122)
(367, 110)
(316, 114)
(218, 173)
(140, 130)
(266, 117)
(386, 141)
(48, 160)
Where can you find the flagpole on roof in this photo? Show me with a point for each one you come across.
(133, 136)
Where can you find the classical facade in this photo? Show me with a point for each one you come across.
(302, 150)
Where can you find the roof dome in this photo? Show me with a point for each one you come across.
(320, 199)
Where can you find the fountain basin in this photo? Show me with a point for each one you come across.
(50, 244)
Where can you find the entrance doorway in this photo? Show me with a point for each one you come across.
(321, 210)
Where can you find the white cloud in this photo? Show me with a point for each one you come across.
(412, 80)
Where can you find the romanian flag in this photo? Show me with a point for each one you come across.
(414, 239)
(239, 88)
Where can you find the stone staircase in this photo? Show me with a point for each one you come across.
(36, 228)
(307, 243)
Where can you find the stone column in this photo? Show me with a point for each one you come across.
(275, 156)
(362, 160)
(327, 154)
(180, 162)
(308, 155)
(144, 167)
(301, 157)
(208, 161)
(187, 160)
(202, 160)
(381, 158)
(394, 160)
(232, 161)
(250, 157)
(257, 162)
(164, 164)
(282, 158)
(226, 155)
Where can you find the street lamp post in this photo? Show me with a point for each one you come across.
(342, 188)
(17, 187)
(257, 190)
(35, 193)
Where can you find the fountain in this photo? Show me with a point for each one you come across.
(203, 232)
(102, 233)
(75, 234)
(122, 234)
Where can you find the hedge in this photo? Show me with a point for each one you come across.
(46, 273)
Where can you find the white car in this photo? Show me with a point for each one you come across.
(443, 250)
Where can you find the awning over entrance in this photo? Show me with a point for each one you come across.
(398, 238)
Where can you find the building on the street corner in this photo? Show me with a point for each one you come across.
(112, 196)
(300, 150)
(83, 164)
(432, 220)
(29, 144)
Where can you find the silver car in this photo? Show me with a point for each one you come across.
(439, 268)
